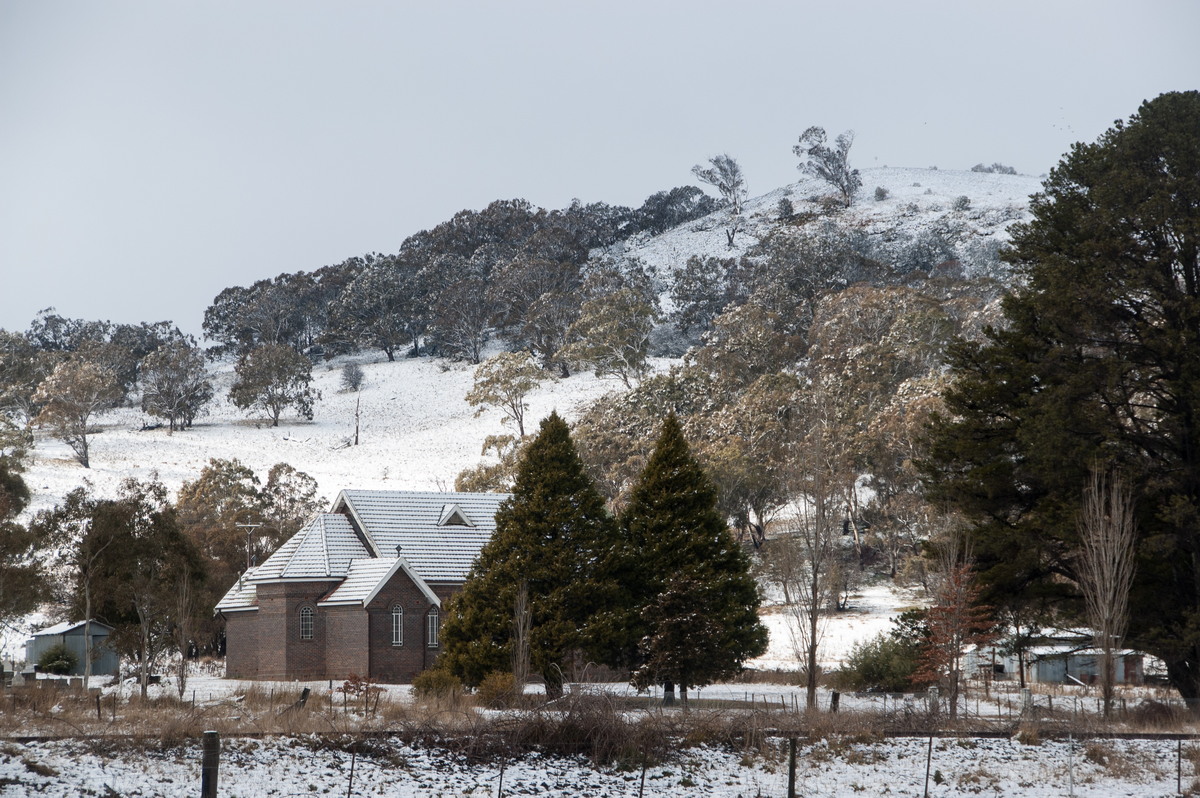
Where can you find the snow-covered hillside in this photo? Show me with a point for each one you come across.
(918, 200)
(416, 430)
(416, 433)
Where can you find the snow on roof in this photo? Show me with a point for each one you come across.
(68, 626)
(414, 523)
(365, 579)
(242, 596)
(323, 547)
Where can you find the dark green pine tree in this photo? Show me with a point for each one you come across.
(694, 616)
(1098, 364)
(555, 536)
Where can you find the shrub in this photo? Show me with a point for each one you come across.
(58, 660)
(436, 683)
(884, 663)
(785, 209)
(352, 376)
(881, 193)
(497, 690)
(961, 203)
(996, 168)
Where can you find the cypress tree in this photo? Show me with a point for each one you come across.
(694, 603)
(553, 535)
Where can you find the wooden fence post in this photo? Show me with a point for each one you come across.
(791, 793)
(209, 764)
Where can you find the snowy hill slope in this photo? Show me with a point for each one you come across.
(416, 429)
(418, 432)
(918, 200)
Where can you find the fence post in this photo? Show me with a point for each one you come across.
(209, 764)
(834, 699)
(1071, 763)
(791, 793)
(928, 762)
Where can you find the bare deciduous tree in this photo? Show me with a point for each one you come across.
(956, 621)
(1106, 566)
(522, 621)
(811, 556)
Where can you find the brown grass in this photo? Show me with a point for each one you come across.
(604, 728)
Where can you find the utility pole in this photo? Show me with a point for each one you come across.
(249, 533)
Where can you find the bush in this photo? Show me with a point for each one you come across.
(785, 209)
(961, 203)
(497, 690)
(436, 683)
(58, 660)
(996, 168)
(352, 376)
(881, 193)
(885, 663)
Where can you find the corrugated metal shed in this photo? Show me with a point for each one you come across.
(71, 635)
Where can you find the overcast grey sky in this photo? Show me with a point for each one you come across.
(153, 153)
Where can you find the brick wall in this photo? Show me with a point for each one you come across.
(266, 644)
(399, 664)
(241, 645)
(345, 642)
(283, 655)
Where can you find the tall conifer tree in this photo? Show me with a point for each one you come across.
(695, 602)
(1097, 365)
(553, 534)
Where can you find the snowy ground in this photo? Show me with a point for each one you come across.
(918, 200)
(283, 766)
(416, 433)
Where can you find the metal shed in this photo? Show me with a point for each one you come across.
(70, 634)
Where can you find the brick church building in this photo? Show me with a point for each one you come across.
(358, 590)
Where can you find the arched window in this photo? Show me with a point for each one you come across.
(433, 625)
(306, 623)
(397, 625)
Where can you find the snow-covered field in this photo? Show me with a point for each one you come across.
(416, 433)
(292, 766)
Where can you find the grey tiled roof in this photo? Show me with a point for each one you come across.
(366, 577)
(402, 530)
(242, 596)
(324, 547)
(410, 520)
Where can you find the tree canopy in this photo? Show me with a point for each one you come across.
(695, 602)
(1098, 365)
(553, 536)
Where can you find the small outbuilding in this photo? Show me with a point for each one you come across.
(1058, 662)
(71, 635)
